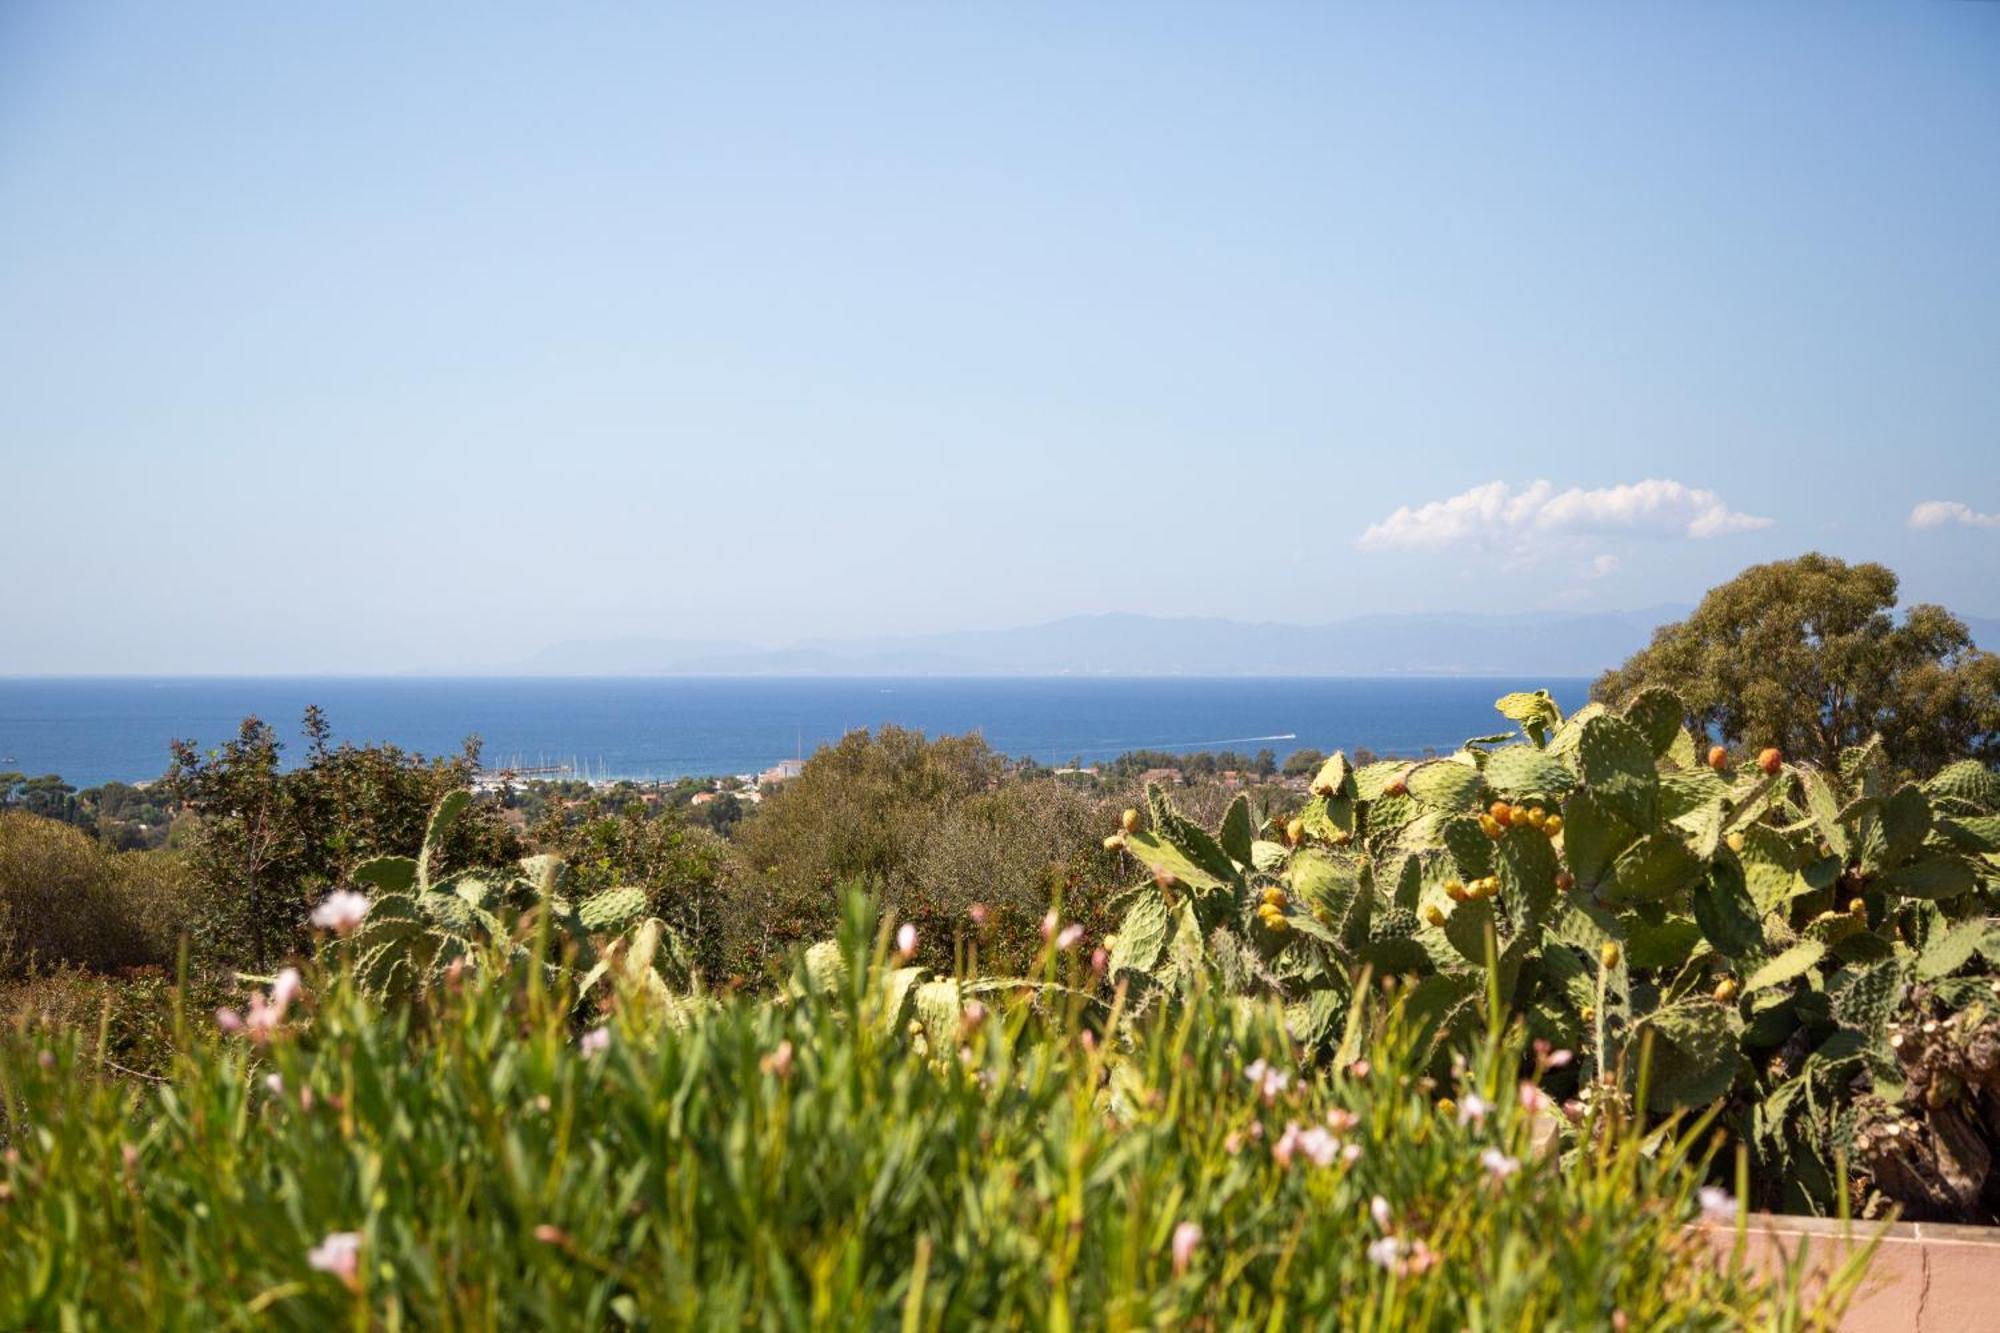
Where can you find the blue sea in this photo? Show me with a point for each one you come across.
(94, 730)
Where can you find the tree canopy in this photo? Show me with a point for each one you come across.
(1808, 655)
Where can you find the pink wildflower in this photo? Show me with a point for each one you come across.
(779, 1061)
(1319, 1146)
(1717, 1206)
(229, 1020)
(978, 914)
(1472, 1109)
(1187, 1239)
(1100, 959)
(1351, 1154)
(1049, 923)
(339, 1254)
(594, 1042)
(1378, 1208)
(1340, 1120)
(1269, 1082)
(1071, 936)
(274, 1084)
(1287, 1144)
(1534, 1099)
(1498, 1164)
(340, 911)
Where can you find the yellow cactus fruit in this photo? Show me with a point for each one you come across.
(1115, 843)
(1503, 813)
(1725, 990)
(1553, 825)
(1129, 821)
(1456, 891)
(1295, 832)
(1537, 817)
(1608, 955)
(1434, 914)
(1735, 841)
(1490, 826)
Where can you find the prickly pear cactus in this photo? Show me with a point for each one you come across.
(1741, 935)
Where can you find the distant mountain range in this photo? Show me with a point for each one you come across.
(1549, 644)
(1534, 644)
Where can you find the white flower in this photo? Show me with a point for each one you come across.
(1071, 936)
(1351, 1154)
(1472, 1109)
(1386, 1253)
(1378, 1208)
(275, 1084)
(1499, 1164)
(906, 940)
(1716, 1204)
(340, 911)
(595, 1041)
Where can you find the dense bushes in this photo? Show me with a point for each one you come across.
(822, 1159)
(67, 901)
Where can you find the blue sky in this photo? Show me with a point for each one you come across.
(363, 337)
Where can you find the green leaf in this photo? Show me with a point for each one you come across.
(1971, 833)
(1906, 820)
(1694, 1054)
(1340, 887)
(1142, 936)
(1668, 942)
(1823, 804)
(1651, 869)
(443, 819)
(1938, 877)
(391, 874)
(1443, 784)
(1792, 963)
(1967, 782)
(1237, 830)
(1335, 777)
(1947, 951)
(1657, 715)
(1724, 910)
(1617, 765)
(1535, 711)
(1370, 780)
(1593, 837)
(1164, 860)
(1524, 770)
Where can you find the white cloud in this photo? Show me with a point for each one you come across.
(1942, 513)
(1603, 567)
(1498, 515)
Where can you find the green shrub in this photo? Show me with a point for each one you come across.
(67, 901)
(850, 1153)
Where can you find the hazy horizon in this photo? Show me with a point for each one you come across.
(365, 340)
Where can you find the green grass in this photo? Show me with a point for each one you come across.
(499, 1176)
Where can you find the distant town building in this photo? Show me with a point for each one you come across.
(782, 771)
(1161, 777)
